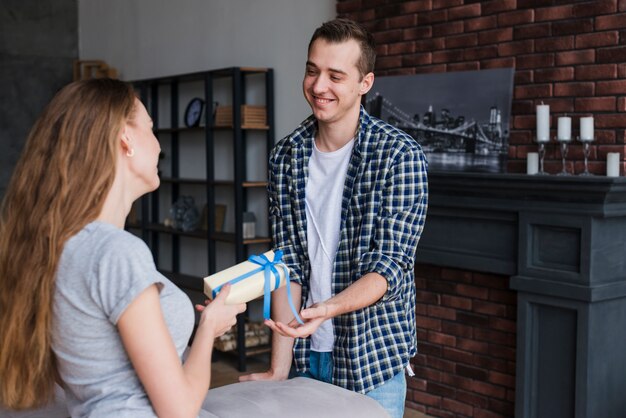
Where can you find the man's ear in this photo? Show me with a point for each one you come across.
(366, 83)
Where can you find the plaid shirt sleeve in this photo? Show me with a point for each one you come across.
(282, 230)
(400, 223)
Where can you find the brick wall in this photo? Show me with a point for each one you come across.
(568, 54)
(466, 342)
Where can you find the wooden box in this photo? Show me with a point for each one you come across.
(251, 117)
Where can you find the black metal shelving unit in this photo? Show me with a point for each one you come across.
(148, 224)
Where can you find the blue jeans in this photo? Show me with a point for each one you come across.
(391, 395)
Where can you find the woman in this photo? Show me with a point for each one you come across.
(81, 301)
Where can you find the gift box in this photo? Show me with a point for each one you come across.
(259, 275)
(251, 283)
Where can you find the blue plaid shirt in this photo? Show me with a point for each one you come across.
(384, 203)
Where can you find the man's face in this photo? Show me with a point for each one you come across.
(332, 83)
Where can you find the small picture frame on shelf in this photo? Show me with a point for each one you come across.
(220, 215)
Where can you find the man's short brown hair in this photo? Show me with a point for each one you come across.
(342, 30)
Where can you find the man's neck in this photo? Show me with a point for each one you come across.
(333, 136)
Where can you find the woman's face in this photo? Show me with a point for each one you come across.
(145, 149)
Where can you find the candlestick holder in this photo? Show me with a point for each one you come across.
(564, 146)
(586, 151)
(542, 153)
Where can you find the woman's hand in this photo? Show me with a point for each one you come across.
(219, 316)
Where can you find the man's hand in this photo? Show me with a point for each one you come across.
(312, 318)
(268, 375)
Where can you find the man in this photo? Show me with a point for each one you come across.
(348, 197)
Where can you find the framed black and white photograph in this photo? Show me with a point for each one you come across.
(461, 119)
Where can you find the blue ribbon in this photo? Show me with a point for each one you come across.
(268, 268)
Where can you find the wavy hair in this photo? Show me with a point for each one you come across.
(59, 185)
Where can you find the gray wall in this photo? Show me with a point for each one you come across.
(38, 44)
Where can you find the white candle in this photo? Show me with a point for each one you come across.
(564, 132)
(543, 123)
(532, 163)
(586, 128)
(612, 164)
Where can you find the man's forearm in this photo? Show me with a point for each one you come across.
(282, 347)
(364, 292)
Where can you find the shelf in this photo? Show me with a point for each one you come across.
(202, 128)
(202, 234)
(199, 76)
(245, 184)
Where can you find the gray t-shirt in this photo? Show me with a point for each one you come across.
(101, 271)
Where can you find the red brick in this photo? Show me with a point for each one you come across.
(490, 363)
(502, 407)
(419, 32)
(429, 349)
(441, 312)
(444, 4)
(502, 379)
(441, 286)
(554, 74)
(489, 389)
(535, 61)
(494, 337)
(472, 291)
(416, 6)
(457, 407)
(439, 389)
(460, 41)
(439, 413)
(576, 57)
(447, 56)
(616, 54)
(508, 296)
(463, 66)
(553, 13)
(621, 107)
(596, 72)
(472, 346)
(403, 21)
(554, 43)
(516, 48)
(489, 308)
(458, 356)
(523, 77)
(610, 121)
(507, 62)
(425, 398)
(463, 12)
(401, 48)
(471, 398)
(616, 21)
(416, 384)
(440, 364)
(500, 351)
(435, 16)
(427, 297)
(456, 275)
(517, 17)
(456, 381)
(595, 8)
(456, 302)
(481, 413)
(471, 372)
(622, 5)
(490, 51)
(427, 373)
(501, 324)
(428, 323)
(536, 30)
(495, 6)
(597, 39)
(595, 104)
(524, 121)
(472, 319)
(348, 6)
(443, 339)
(458, 330)
(495, 36)
(389, 62)
(572, 27)
(533, 90)
(430, 69)
(388, 36)
(448, 28)
(574, 89)
(480, 23)
(412, 405)
(611, 87)
(520, 137)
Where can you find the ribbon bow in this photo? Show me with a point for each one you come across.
(268, 268)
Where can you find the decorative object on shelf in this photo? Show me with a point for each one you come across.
(532, 163)
(86, 69)
(543, 133)
(256, 334)
(249, 225)
(255, 277)
(220, 214)
(193, 112)
(185, 214)
(564, 136)
(612, 164)
(586, 137)
(251, 117)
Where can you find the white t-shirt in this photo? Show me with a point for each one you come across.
(324, 192)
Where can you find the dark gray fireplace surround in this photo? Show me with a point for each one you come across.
(562, 240)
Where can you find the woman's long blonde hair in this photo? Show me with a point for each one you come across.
(59, 185)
